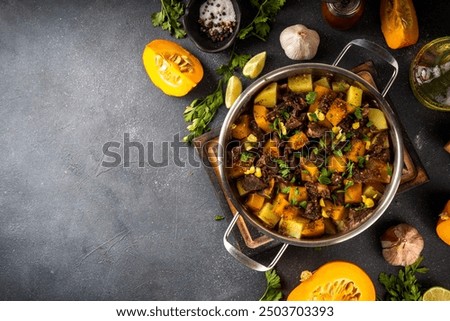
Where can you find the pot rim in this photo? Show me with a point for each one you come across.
(282, 73)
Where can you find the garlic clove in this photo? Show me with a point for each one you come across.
(402, 244)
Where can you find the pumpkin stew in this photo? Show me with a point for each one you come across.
(310, 156)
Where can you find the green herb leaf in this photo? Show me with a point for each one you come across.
(369, 124)
(283, 168)
(311, 97)
(285, 190)
(273, 289)
(169, 16)
(389, 169)
(324, 177)
(246, 156)
(404, 286)
(260, 26)
(219, 217)
(303, 204)
(358, 113)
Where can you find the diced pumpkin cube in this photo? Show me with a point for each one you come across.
(354, 98)
(290, 212)
(255, 202)
(353, 194)
(358, 149)
(297, 141)
(271, 148)
(280, 205)
(260, 114)
(297, 194)
(292, 227)
(267, 215)
(240, 188)
(340, 86)
(336, 212)
(242, 127)
(337, 164)
(314, 228)
(337, 111)
(310, 172)
(320, 92)
(323, 81)
(268, 96)
(300, 83)
(377, 118)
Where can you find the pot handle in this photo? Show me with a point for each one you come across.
(380, 51)
(244, 259)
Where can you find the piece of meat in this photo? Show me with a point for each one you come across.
(316, 190)
(252, 183)
(313, 211)
(315, 130)
(355, 218)
(293, 123)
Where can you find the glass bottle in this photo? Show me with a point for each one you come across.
(342, 14)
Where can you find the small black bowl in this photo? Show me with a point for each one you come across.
(200, 39)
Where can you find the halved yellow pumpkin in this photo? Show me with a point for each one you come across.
(171, 68)
(335, 281)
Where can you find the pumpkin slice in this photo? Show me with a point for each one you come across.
(399, 23)
(171, 68)
(335, 281)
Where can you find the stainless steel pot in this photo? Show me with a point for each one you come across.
(316, 69)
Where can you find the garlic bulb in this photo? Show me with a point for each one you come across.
(402, 244)
(299, 42)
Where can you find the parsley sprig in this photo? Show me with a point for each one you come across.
(201, 111)
(169, 18)
(260, 25)
(404, 286)
(273, 290)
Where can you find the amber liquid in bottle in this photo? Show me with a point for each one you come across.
(342, 14)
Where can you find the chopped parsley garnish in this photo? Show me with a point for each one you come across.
(219, 217)
(303, 204)
(348, 184)
(358, 113)
(361, 162)
(311, 97)
(285, 190)
(389, 169)
(349, 169)
(246, 156)
(369, 124)
(283, 168)
(338, 152)
(324, 177)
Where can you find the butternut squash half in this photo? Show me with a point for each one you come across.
(335, 281)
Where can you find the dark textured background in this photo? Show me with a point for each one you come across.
(72, 79)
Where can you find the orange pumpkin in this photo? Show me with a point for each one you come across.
(443, 224)
(335, 281)
(171, 68)
(399, 23)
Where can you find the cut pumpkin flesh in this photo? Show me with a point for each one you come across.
(335, 281)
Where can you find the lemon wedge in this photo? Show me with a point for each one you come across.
(234, 89)
(436, 293)
(255, 65)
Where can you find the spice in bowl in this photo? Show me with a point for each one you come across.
(217, 19)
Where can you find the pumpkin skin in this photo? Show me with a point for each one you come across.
(347, 281)
(171, 68)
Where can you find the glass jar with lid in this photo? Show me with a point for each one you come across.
(342, 14)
